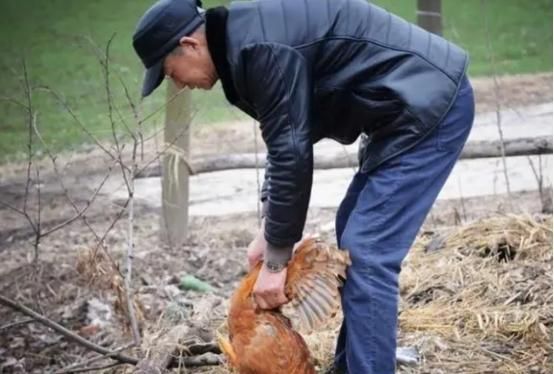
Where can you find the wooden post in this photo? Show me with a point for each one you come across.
(175, 177)
(429, 15)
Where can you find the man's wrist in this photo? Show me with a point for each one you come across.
(277, 258)
(274, 267)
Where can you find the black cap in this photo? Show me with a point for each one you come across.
(158, 33)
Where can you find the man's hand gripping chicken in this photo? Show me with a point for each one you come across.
(266, 341)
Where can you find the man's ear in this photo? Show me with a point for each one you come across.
(187, 41)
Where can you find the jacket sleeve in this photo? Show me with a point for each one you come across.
(277, 84)
(263, 195)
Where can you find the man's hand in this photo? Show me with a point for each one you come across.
(269, 290)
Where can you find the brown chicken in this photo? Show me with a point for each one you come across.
(267, 341)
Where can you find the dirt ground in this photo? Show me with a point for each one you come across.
(75, 284)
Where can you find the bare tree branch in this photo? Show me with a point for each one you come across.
(104, 61)
(82, 211)
(71, 368)
(79, 212)
(157, 156)
(131, 243)
(498, 99)
(161, 107)
(38, 233)
(539, 177)
(128, 275)
(111, 226)
(154, 134)
(129, 172)
(27, 88)
(106, 64)
(94, 368)
(11, 207)
(16, 323)
(35, 225)
(130, 189)
(13, 101)
(65, 332)
(77, 120)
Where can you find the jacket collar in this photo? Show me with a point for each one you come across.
(216, 34)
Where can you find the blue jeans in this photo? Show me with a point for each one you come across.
(377, 223)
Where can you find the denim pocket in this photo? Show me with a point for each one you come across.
(454, 129)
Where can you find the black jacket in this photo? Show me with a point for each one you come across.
(313, 69)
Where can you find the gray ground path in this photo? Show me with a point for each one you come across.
(235, 191)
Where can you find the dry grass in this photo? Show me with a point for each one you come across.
(480, 299)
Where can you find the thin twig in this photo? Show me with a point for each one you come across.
(65, 332)
(123, 120)
(106, 66)
(77, 120)
(155, 134)
(462, 200)
(94, 368)
(24, 212)
(538, 176)
(112, 224)
(130, 248)
(13, 101)
(128, 275)
(38, 233)
(104, 59)
(16, 323)
(28, 96)
(157, 156)
(130, 183)
(105, 62)
(11, 207)
(137, 110)
(498, 99)
(79, 212)
(82, 211)
(163, 106)
(69, 369)
(36, 226)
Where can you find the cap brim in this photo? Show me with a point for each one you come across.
(152, 78)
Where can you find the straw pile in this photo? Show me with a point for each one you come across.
(479, 299)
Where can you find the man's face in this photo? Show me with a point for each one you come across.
(190, 65)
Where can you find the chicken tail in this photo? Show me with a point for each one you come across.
(226, 347)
